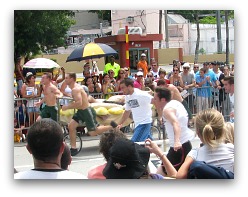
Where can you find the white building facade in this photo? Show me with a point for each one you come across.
(182, 34)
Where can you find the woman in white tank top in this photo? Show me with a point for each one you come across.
(31, 92)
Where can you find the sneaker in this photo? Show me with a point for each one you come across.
(74, 151)
(113, 124)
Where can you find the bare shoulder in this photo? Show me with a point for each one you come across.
(77, 89)
(171, 87)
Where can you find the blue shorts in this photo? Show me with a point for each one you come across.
(142, 132)
(33, 109)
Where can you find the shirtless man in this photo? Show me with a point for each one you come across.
(85, 112)
(175, 95)
(51, 93)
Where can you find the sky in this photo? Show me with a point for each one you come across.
(110, 188)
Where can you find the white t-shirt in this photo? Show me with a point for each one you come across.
(232, 101)
(140, 105)
(182, 116)
(38, 174)
(155, 74)
(221, 156)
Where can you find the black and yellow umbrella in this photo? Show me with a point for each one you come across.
(90, 51)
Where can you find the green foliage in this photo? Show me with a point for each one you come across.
(202, 51)
(209, 20)
(55, 60)
(39, 30)
(102, 14)
(206, 16)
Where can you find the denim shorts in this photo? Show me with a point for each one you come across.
(33, 109)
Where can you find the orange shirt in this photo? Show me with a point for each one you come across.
(143, 65)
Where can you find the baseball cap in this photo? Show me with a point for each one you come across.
(139, 73)
(29, 74)
(143, 55)
(186, 64)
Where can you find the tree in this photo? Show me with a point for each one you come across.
(193, 15)
(227, 37)
(198, 37)
(199, 17)
(103, 14)
(40, 30)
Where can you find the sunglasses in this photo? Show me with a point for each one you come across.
(186, 68)
(149, 75)
(140, 76)
(175, 70)
(196, 67)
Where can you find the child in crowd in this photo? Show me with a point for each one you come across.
(19, 121)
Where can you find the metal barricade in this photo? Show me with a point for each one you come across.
(209, 97)
(29, 111)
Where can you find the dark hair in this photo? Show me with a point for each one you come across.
(107, 140)
(104, 74)
(229, 79)
(161, 82)
(203, 69)
(86, 79)
(28, 78)
(127, 82)
(45, 138)
(163, 92)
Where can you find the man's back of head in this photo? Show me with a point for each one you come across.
(44, 139)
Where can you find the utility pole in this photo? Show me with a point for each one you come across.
(166, 29)
(101, 32)
(219, 42)
(160, 25)
(227, 37)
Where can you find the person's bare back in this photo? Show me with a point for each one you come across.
(80, 97)
(175, 94)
